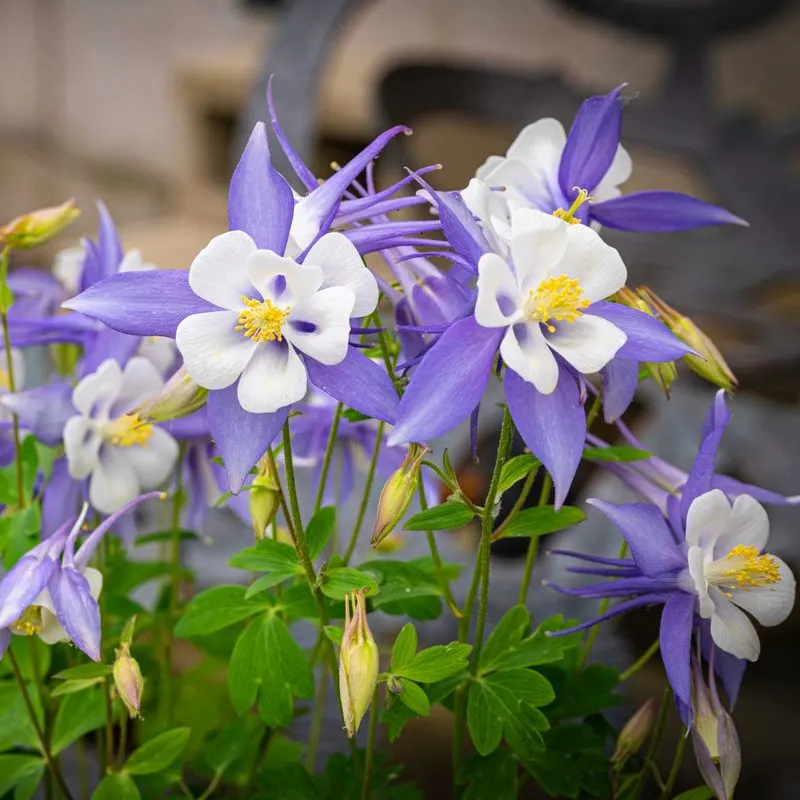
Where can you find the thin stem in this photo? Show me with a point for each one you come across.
(655, 740)
(263, 746)
(362, 510)
(438, 568)
(533, 544)
(369, 755)
(316, 721)
(326, 460)
(211, 786)
(593, 411)
(123, 742)
(48, 756)
(108, 751)
(517, 507)
(676, 765)
(175, 587)
(641, 661)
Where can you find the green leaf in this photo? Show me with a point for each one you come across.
(77, 715)
(445, 517)
(19, 532)
(27, 787)
(540, 520)
(158, 753)
(617, 453)
(165, 536)
(413, 696)
(70, 687)
(580, 694)
(400, 581)
(698, 793)
(492, 776)
(405, 646)
(515, 469)
(268, 555)
(244, 668)
(117, 786)
(297, 602)
(334, 633)
(33, 656)
(214, 609)
(337, 582)
(436, 663)
(268, 581)
(351, 415)
(17, 768)
(15, 725)
(508, 633)
(84, 672)
(320, 529)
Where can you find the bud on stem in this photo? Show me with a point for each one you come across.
(179, 397)
(264, 500)
(397, 493)
(36, 227)
(634, 733)
(128, 680)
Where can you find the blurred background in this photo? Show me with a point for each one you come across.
(145, 103)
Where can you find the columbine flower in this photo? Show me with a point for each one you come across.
(119, 452)
(55, 600)
(545, 169)
(543, 308)
(255, 325)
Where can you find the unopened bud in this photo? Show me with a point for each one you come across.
(397, 493)
(634, 733)
(358, 663)
(179, 397)
(36, 227)
(709, 364)
(264, 502)
(128, 680)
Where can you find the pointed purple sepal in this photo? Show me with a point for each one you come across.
(677, 620)
(44, 410)
(298, 165)
(76, 609)
(620, 379)
(103, 258)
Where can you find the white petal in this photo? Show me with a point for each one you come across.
(95, 580)
(588, 343)
(597, 266)
(68, 266)
(140, 381)
(732, 630)
(274, 378)
(488, 167)
(707, 519)
(114, 482)
(219, 272)
(770, 605)
(697, 560)
(526, 352)
(329, 312)
(154, 460)
(538, 246)
(81, 446)
(748, 525)
(282, 279)
(341, 265)
(132, 261)
(540, 144)
(215, 354)
(499, 300)
(159, 351)
(618, 173)
(522, 187)
(51, 632)
(491, 208)
(97, 392)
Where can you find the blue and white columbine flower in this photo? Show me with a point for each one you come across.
(108, 443)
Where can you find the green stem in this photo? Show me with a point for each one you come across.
(533, 544)
(123, 742)
(362, 510)
(369, 755)
(316, 721)
(326, 460)
(210, 789)
(263, 746)
(641, 661)
(175, 587)
(593, 411)
(438, 568)
(655, 740)
(48, 756)
(108, 750)
(676, 765)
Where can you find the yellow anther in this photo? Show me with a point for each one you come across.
(127, 430)
(261, 320)
(744, 568)
(569, 215)
(30, 621)
(5, 381)
(559, 298)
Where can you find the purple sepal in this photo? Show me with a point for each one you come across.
(260, 202)
(676, 635)
(728, 668)
(44, 410)
(651, 599)
(591, 143)
(648, 338)
(733, 488)
(241, 437)
(553, 426)
(5, 639)
(147, 303)
(411, 343)
(76, 609)
(359, 383)
(620, 379)
(102, 259)
(645, 530)
(105, 344)
(448, 383)
(65, 328)
(62, 494)
(298, 165)
(192, 426)
(36, 293)
(701, 476)
(660, 212)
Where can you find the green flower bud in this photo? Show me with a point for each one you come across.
(264, 502)
(128, 680)
(35, 228)
(397, 493)
(358, 663)
(179, 397)
(634, 733)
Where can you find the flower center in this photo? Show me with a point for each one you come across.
(261, 320)
(30, 621)
(127, 430)
(743, 568)
(568, 216)
(559, 298)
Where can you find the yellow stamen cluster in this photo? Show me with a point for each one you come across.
(30, 621)
(744, 568)
(569, 215)
(559, 298)
(261, 321)
(128, 430)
